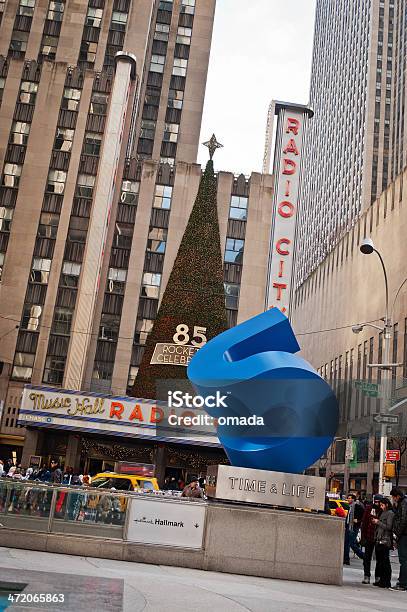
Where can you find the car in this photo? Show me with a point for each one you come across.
(124, 482)
(335, 503)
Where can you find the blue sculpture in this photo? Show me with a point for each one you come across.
(254, 366)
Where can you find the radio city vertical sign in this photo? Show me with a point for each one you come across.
(289, 141)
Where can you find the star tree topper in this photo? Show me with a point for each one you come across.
(212, 145)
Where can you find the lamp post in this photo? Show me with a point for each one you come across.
(367, 248)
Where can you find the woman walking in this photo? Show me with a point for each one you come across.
(384, 543)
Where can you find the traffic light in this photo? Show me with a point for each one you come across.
(389, 470)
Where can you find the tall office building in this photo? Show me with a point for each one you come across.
(90, 91)
(356, 144)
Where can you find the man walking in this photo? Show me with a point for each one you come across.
(352, 525)
(400, 531)
(368, 528)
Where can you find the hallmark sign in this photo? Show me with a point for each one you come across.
(263, 487)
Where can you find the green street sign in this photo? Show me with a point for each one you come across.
(367, 388)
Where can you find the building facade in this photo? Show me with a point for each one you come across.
(356, 144)
(345, 290)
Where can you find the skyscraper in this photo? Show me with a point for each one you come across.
(355, 145)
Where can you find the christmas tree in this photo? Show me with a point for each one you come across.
(194, 295)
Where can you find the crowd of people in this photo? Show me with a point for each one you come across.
(50, 474)
(378, 527)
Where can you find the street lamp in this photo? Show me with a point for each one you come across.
(367, 248)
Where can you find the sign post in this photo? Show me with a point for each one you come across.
(392, 455)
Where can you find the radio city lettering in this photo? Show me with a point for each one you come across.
(180, 352)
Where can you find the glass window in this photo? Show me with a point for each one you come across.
(143, 328)
(180, 67)
(23, 366)
(94, 17)
(161, 31)
(54, 370)
(184, 36)
(130, 191)
(19, 41)
(40, 270)
(117, 274)
(6, 215)
(238, 207)
(119, 21)
(147, 129)
(165, 5)
(231, 296)
(70, 274)
(26, 7)
(63, 139)
(11, 175)
(48, 225)
(188, 6)
(71, 98)
(49, 46)
(56, 11)
(28, 92)
(84, 185)
(151, 285)
(171, 132)
(123, 235)
(162, 196)
(157, 63)
(109, 327)
(98, 103)
(19, 132)
(31, 317)
(234, 250)
(175, 98)
(62, 320)
(56, 181)
(133, 370)
(167, 160)
(92, 143)
(157, 240)
(88, 51)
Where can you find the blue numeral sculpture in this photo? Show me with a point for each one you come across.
(254, 365)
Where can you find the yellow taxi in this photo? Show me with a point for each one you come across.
(124, 482)
(338, 503)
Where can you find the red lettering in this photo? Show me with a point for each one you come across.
(116, 410)
(156, 415)
(281, 251)
(136, 414)
(280, 270)
(287, 188)
(293, 125)
(279, 287)
(286, 213)
(291, 147)
(289, 166)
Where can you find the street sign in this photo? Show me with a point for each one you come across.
(367, 388)
(392, 455)
(390, 419)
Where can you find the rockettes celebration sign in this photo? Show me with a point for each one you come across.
(292, 119)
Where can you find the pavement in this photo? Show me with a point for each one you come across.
(105, 585)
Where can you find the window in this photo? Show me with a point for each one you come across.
(23, 366)
(31, 317)
(161, 31)
(92, 143)
(123, 235)
(171, 132)
(6, 215)
(87, 51)
(157, 239)
(49, 46)
(151, 285)
(117, 274)
(28, 92)
(98, 103)
(19, 132)
(147, 129)
(133, 370)
(157, 63)
(62, 320)
(2, 86)
(162, 196)
(56, 11)
(56, 181)
(180, 67)
(234, 250)
(184, 36)
(188, 6)
(165, 6)
(109, 327)
(78, 229)
(94, 17)
(54, 370)
(167, 160)
(71, 97)
(48, 225)
(19, 41)
(70, 274)
(175, 98)
(231, 296)
(40, 270)
(130, 191)
(238, 208)
(11, 176)
(119, 21)
(143, 328)
(26, 7)
(63, 139)
(84, 185)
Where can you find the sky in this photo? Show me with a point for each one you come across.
(261, 50)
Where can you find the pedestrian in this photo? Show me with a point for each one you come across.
(193, 490)
(1, 468)
(352, 524)
(368, 530)
(400, 531)
(67, 477)
(383, 544)
(56, 473)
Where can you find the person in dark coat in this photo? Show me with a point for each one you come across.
(400, 531)
(352, 523)
(384, 543)
(368, 529)
(56, 473)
